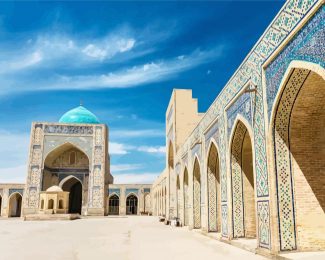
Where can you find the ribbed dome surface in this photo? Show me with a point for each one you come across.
(79, 115)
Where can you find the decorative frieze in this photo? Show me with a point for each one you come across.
(68, 129)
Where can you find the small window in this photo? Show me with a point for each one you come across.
(72, 159)
(42, 204)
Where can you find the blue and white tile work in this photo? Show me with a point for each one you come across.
(296, 34)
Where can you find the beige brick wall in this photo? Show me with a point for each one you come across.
(248, 188)
(307, 144)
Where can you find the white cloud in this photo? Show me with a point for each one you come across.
(124, 167)
(131, 77)
(22, 62)
(117, 148)
(126, 44)
(150, 72)
(135, 178)
(95, 52)
(50, 50)
(152, 149)
(109, 47)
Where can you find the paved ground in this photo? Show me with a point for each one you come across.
(137, 238)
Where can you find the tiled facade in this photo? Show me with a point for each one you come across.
(258, 99)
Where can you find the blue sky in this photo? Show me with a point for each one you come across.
(122, 59)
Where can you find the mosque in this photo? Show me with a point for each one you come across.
(251, 168)
(69, 174)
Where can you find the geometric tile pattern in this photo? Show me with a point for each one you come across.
(112, 191)
(264, 223)
(237, 181)
(307, 45)
(213, 178)
(20, 191)
(224, 220)
(283, 24)
(196, 195)
(186, 199)
(283, 160)
(134, 191)
(242, 106)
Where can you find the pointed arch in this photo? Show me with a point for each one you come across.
(179, 196)
(51, 155)
(132, 204)
(196, 193)
(0, 205)
(214, 196)
(15, 203)
(74, 186)
(186, 197)
(242, 180)
(113, 204)
(297, 133)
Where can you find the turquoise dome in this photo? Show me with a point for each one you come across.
(79, 115)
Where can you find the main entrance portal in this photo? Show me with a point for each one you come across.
(74, 186)
(131, 205)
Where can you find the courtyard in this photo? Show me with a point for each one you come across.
(109, 238)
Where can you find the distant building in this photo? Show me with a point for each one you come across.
(73, 156)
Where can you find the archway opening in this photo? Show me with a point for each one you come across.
(179, 197)
(299, 143)
(50, 204)
(131, 205)
(113, 205)
(165, 201)
(15, 205)
(61, 205)
(242, 177)
(186, 198)
(59, 164)
(170, 155)
(214, 196)
(74, 187)
(197, 194)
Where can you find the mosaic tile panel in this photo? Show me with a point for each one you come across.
(186, 205)
(236, 180)
(283, 160)
(213, 207)
(20, 191)
(224, 220)
(196, 195)
(263, 223)
(307, 45)
(114, 190)
(242, 106)
(128, 191)
(291, 14)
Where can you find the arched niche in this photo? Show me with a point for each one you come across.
(297, 125)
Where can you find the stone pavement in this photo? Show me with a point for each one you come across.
(137, 238)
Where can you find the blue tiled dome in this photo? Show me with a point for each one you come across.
(79, 115)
